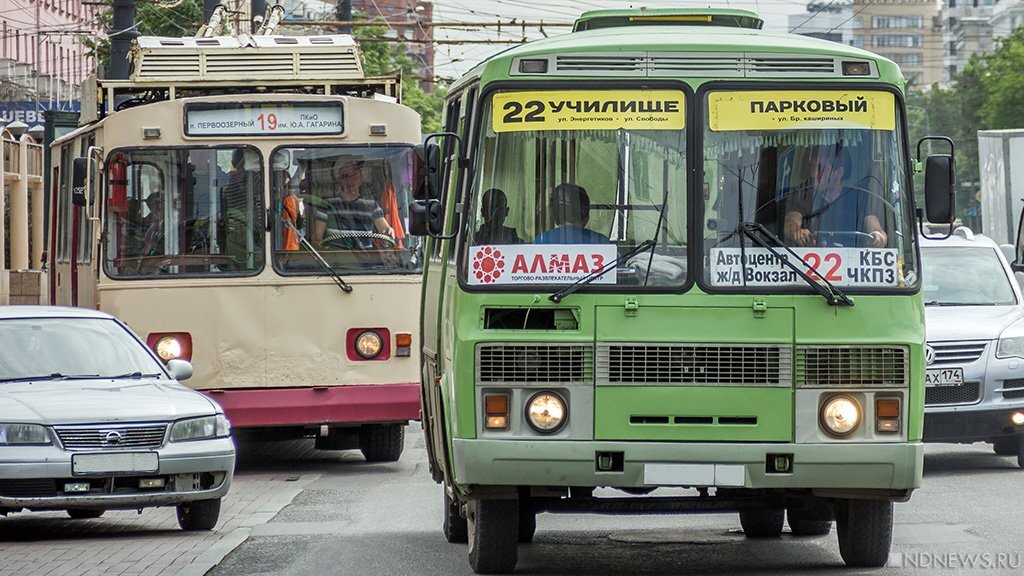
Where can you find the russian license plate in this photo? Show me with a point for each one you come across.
(115, 463)
(944, 377)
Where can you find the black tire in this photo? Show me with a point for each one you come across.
(527, 521)
(1006, 445)
(1020, 452)
(762, 522)
(199, 515)
(382, 443)
(493, 534)
(455, 530)
(84, 514)
(809, 521)
(864, 528)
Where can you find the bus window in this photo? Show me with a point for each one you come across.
(185, 212)
(349, 204)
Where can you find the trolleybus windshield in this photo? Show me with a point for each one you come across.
(567, 181)
(184, 211)
(821, 170)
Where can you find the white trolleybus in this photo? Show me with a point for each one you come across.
(242, 203)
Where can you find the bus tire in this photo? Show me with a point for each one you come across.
(762, 522)
(493, 535)
(1005, 445)
(382, 443)
(864, 528)
(198, 515)
(809, 521)
(527, 521)
(84, 513)
(455, 530)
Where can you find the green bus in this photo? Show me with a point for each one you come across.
(671, 250)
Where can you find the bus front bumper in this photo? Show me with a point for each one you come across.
(318, 405)
(886, 467)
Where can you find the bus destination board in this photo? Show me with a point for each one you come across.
(263, 119)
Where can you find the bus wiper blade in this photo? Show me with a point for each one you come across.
(834, 296)
(567, 290)
(319, 259)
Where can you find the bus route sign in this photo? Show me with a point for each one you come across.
(588, 110)
(845, 267)
(801, 109)
(263, 119)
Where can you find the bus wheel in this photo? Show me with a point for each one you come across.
(864, 528)
(493, 535)
(1005, 445)
(762, 522)
(527, 521)
(382, 443)
(454, 524)
(815, 520)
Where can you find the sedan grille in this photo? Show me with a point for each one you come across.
(695, 364)
(968, 393)
(112, 437)
(845, 366)
(1013, 389)
(28, 487)
(957, 353)
(541, 364)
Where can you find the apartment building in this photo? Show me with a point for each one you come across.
(908, 32)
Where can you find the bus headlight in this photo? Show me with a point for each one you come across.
(546, 412)
(840, 415)
(168, 348)
(369, 344)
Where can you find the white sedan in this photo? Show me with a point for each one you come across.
(91, 420)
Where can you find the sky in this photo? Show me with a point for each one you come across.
(453, 61)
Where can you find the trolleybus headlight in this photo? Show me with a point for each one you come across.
(168, 348)
(546, 412)
(840, 415)
(369, 344)
(171, 345)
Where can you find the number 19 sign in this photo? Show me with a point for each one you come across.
(263, 119)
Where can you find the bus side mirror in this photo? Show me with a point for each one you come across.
(939, 186)
(430, 182)
(426, 218)
(79, 181)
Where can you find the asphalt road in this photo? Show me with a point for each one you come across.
(370, 519)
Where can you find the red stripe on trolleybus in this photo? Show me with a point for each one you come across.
(319, 405)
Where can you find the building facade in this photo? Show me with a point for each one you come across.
(967, 30)
(908, 32)
(825, 20)
(407, 21)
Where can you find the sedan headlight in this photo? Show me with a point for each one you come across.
(1010, 348)
(546, 412)
(840, 415)
(201, 428)
(22, 434)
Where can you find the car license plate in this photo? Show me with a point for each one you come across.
(944, 377)
(115, 463)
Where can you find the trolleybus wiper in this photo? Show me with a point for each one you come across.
(567, 290)
(318, 258)
(834, 296)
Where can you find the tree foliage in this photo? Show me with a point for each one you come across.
(151, 19)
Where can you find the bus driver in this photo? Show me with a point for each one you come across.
(349, 211)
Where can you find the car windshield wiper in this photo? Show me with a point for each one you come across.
(53, 376)
(938, 303)
(557, 297)
(135, 374)
(318, 258)
(834, 296)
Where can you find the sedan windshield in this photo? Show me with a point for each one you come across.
(965, 276)
(59, 348)
(567, 182)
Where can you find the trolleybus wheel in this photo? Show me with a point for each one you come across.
(493, 535)
(812, 520)
(199, 515)
(382, 443)
(84, 514)
(864, 528)
(762, 522)
(527, 521)
(455, 530)
(1005, 445)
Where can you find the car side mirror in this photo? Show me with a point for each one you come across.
(181, 370)
(939, 185)
(79, 181)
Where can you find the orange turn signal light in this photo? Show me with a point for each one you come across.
(403, 339)
(496, 405)
(887, 408)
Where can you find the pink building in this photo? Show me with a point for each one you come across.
(42, 55)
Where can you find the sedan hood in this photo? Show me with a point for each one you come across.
(99, 401)
(951, 323)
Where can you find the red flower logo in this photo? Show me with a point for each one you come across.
(487, 264)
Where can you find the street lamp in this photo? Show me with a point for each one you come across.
(17, 128)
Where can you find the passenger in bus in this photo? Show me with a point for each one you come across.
(153, 239)
(494, 210)
(349, 214)
(829, 212)
(570, 210)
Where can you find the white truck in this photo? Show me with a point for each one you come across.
(1002, 182)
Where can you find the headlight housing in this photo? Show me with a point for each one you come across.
(168, 348)
(1010, 347)
(24, 434)
(840, 416)
(369, 344)
(546, 412)
(203, 428)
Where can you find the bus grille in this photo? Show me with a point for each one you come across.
(541, 363)
(698, 65)
(846, 366)
(78, 438)
(694, 364)
(968, 393)
(957, 353)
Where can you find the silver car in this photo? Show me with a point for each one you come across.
(975, 353)
(91, 420)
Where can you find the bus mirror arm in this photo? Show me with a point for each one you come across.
(939, 188)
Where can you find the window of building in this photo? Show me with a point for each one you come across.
(896, 41)
(897, 21)
(858, 41)
(858, 23)
(906, 59)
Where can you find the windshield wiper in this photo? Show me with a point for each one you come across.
(318, 258)
(134, 375)
(937, 303)
(53, 376)
(834, 296)
(567, 290)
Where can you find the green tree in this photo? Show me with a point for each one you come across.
(151, 19)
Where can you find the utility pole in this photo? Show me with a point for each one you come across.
(121, 35)
(344, 15)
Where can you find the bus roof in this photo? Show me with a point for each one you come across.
(732, 17)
